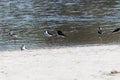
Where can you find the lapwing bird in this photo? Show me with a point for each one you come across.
(60, 35)
(23, 47)
(116, 30)
(100, 32)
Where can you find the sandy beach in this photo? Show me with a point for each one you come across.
(65, 63)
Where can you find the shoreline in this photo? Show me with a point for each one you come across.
(60, 47)
(65, 63)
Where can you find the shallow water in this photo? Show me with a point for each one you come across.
(78, 19)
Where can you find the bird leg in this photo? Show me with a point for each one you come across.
(60, 41)
(100, 40)
(118, 39)
(15, 42)
(53, 42)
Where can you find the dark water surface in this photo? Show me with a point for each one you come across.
(78, 19)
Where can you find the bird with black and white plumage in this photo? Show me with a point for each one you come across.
(23, 47)
(60, 34)
(100, 32)
(116, 30)
(48, 34)
(57, 34)
(13, 35)
(51, 35)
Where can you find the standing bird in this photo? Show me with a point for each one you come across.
(13, 35)
(60, 35)
(100, 32)
(23, 47)
(50, 35)
(116, 30)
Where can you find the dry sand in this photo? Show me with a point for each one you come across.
(67, 63)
